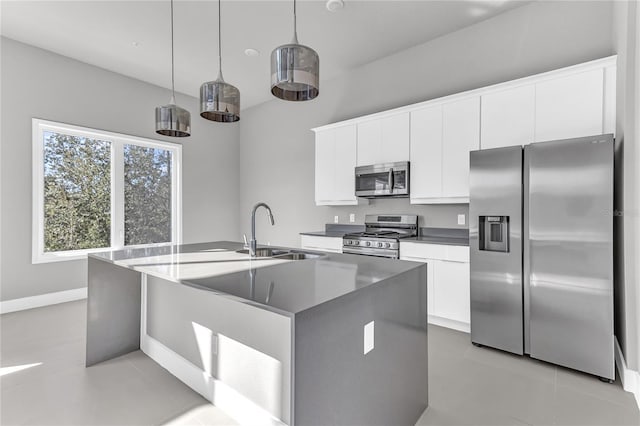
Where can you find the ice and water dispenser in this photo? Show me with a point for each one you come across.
(494, 233)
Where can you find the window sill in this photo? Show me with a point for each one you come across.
(65, 256)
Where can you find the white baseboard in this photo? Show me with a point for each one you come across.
(236, 405)
(23, 303)
(630, 378)
(449, 323)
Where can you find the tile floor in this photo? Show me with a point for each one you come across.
(467, 385)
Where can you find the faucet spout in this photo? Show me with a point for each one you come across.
(253, 243)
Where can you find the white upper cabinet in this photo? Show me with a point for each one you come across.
(345, 164)
(508, 117)
(426, 154)
(395, 139)
(570, 106)
(369, 141)
(335, 165)
(383, 140)
(437, 135)
(325, 155)
(460, 135)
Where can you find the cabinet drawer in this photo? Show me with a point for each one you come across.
(312, 242)
(458, 253)
(422, 251)
(434, 251)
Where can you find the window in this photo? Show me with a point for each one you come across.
(96, 190)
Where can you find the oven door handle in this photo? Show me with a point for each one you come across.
(390, 180)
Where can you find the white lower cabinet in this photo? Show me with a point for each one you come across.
(451, 290)
(448, 290)
(319, 243)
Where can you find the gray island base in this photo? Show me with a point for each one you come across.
(335, 339)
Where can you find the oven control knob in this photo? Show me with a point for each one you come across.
(387, 245)
(381, 245)
(367, 243)
(347, 242)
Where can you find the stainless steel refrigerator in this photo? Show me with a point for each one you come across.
(541, 240)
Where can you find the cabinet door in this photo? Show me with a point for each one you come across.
(451, 291)
(426, 153)
(314, 242)
(369, 140)
(508, 117)
(460, 135)
(570, 107)
(344, 164)
(395, 139)
(325, 154)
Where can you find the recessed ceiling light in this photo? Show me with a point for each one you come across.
(251, 52)
(135, 43)
(334, 5)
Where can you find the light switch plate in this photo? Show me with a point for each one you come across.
(352, 217)
(461, 219)
(369, 333)
(336, 219)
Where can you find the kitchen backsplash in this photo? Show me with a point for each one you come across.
(432, 215)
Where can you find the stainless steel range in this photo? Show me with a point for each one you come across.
(381, 236)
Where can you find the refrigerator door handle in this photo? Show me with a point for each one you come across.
(526, 258)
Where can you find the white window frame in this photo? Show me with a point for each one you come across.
(118, 140)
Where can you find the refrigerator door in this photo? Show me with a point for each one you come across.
(495, 224)
(569, 258)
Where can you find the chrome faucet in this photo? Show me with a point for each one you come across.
(253, 243)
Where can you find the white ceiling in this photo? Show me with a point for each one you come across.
(133, 37)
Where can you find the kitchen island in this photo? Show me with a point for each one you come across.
(328, 339)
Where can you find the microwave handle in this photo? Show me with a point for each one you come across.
(390, 180)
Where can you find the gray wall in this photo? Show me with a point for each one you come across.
(276, 145)
(41, 84)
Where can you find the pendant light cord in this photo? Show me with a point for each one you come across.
(295, 29)
(173, 86)
(219, 43)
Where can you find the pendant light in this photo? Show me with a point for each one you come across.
(295, 70)
(219, 101)
(171, 120)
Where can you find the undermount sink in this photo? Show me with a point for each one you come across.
(282, 254)
(265, 252)
(299, 256)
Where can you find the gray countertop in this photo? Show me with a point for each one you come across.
(444, 236)
(329, 234)
(333, 230)
(284, 286)
(438, 240)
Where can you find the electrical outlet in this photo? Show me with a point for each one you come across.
(369, 337)
(336, 219)
(461, 219)
(352, 217)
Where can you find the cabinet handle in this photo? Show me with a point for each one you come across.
(390, 180)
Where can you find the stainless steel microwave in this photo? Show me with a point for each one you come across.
(383, 180)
